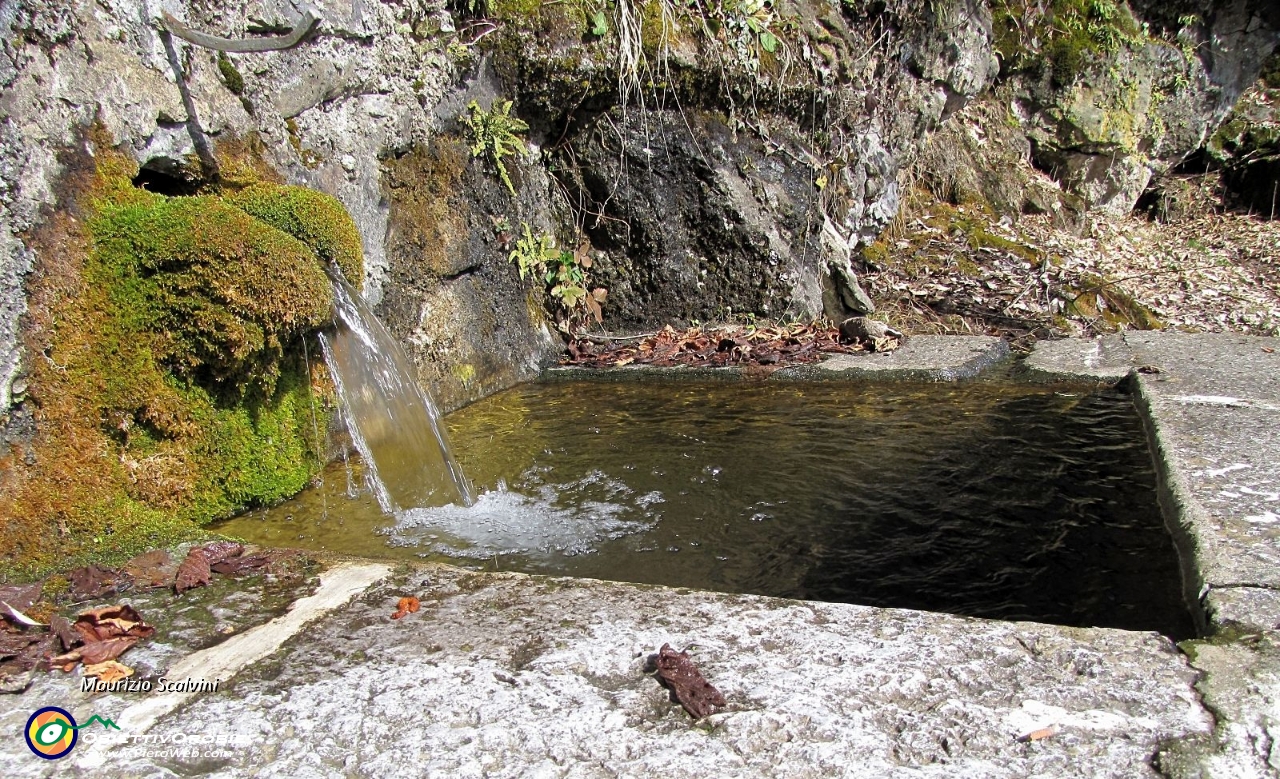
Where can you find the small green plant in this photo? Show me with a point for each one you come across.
(230, 75)
(599, 24)
(563, 272)
(532, 252)
(494, 135)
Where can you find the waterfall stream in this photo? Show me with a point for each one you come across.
(393, 421)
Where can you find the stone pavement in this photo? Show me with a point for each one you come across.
(507, 675)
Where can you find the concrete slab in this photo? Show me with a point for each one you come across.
(920, 358)
(1243, 609)
(1211, 403)
(1106, 359)
(505, 675)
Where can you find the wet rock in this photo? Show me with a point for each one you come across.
(696, 225)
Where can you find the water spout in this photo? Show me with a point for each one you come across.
(393, 422)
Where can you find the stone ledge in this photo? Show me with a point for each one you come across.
(921, 358)
(1105, 360)
(512, 675)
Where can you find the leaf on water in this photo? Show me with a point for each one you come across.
(678, 674)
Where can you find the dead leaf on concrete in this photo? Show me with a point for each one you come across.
(112, 622)
(20, 655)
(240, 565)
(108, 671)
(194, 572)
(406, 606)
(1037, 735)
(153, 569)
(197, 569)
(20, 596)
(61, 627)
(95, 652)
(678, 674)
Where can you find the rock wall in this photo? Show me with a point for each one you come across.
(325, 114)
(720, 162)
(1110, 95)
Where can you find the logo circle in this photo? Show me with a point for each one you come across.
(51, 732)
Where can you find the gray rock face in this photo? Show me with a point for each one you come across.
(1150, 102)
(696, 222)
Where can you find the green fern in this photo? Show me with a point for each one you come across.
(494, 135)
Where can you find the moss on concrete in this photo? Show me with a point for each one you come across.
(166, 376)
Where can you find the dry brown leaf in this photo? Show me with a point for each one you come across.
(93, 581)
(153, 569)
(61, 627)
(194, 572)
(111, 622)
(239, 565)
(102, 651)
(1037, 735)
(678, 674)
(21, 596)
(108, 671)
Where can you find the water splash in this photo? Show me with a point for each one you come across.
(393, 422)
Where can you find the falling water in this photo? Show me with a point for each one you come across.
(393, 422)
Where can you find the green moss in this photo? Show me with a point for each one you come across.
(173, 390)
(1271, 71)
(314, 218)
(1098, 299)
(1075, 33)
(222, 292)
(230, 75)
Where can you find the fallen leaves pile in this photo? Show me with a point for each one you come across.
(97, 638)
(713, 347)
(33, 636)
(1212, 270)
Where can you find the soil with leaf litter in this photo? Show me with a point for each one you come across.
(712, 347)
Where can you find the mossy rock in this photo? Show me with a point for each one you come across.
(226, 291)
(312, 217)
(174, 389)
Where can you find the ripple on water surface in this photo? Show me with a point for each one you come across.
(1005, 501)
